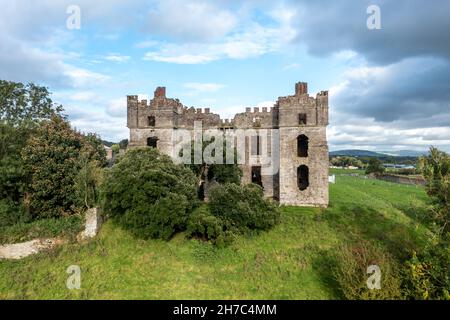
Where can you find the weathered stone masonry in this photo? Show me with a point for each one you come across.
(302, 178)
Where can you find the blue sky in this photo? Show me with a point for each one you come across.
(389, 88)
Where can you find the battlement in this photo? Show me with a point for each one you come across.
(168, 112)
(257, 110)
(227, 122)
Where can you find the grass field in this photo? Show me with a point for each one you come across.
(292, 261)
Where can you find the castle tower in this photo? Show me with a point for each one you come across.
(303, 176)
(152, 124)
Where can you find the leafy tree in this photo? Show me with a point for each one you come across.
(115, 148)
(21, 109)
(20, 103)
(427, 272)
(52, 160)
(221, 173)
(346, 162)
(87, 183)
(436, 170)
(123, 144)
(147, 193)
(375, 166)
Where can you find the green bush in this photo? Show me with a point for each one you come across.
(350, 272)
(11, 213)
(87, 183)
(67, 227)
(243, 207)
(203, 225)
(375, 166)
(427, 275)
(52, 159)
(148, 194)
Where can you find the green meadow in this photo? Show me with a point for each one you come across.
(292, 261)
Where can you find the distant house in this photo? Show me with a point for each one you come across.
(398, 166)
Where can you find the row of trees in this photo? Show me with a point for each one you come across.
(45, 166)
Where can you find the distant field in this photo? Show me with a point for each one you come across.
(289, 262)
(345, 171)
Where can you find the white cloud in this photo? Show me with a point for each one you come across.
(117, 57)
(254, 41)
(194, 20)
(117, 108)
(82, 77)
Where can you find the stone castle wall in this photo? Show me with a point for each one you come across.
(292, 116)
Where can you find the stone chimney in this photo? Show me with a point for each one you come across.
(301, 88)
(160, 92)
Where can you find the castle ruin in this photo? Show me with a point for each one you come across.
(297, 139)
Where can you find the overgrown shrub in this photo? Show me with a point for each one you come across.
(350, 272)
(11, 213)
(427, 275)
(147, 193)
(243, 207)
(87, 183)
(203, 225)
(67, 227)
(52, 162)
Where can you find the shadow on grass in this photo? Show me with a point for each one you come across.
(324, 264)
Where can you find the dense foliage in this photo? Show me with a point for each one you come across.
(428, 273)
(52, 160)
(436, 170)
(350, 272)
(221, 173)
(22, 107)
(344, 161)
(243, 207)
(203, 225)
(21, 103)
(148, 194)
(375, 166)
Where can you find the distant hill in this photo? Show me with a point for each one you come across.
(405, 153)
(356, 153)
(379, 154)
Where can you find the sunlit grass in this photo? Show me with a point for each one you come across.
(288, 262)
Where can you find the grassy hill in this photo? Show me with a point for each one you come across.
(292, 261)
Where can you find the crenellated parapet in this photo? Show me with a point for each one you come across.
(286, 111)
(302, 109)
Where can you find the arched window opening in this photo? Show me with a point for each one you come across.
(302, 118)
(151, 121)
(302, 146)
(152, 142)
(201, 191)
(303, 177)
(256, 175)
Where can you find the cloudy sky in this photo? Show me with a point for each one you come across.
(389, 87)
